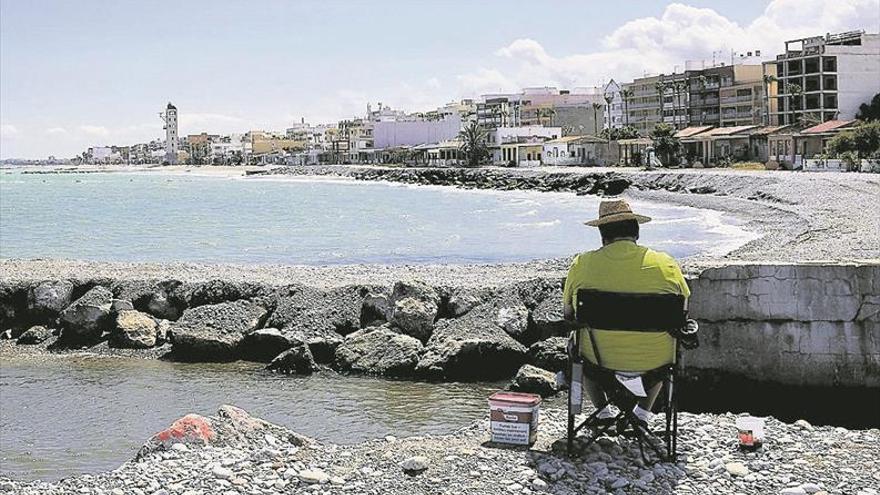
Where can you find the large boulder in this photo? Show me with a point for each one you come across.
(13, 303)
(550, 354)
(296, 360)
(159, 299)
(264, 344)
(376, 307)
(218, 291)
(534, 380)
(50, 297)
(213, 332)
(134, 330)
(472, 347)
(380, 351)
(319, 318)
(414, 307)
(414, 317)
(459, 301)
(34, 335)
(88, 317)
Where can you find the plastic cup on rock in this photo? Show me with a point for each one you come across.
(750, 431)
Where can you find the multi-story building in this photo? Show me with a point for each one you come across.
(727, 95)
(613, 105)
(825, 77)
(579, 111)
(641, 103)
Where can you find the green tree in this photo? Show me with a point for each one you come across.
(660, 87)
(870, 111)
(626, 94)
(665, 143)
(473, 144)
(618, 133)
(863, 140)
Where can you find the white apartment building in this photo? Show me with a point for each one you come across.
(613, 105)
(825, 77)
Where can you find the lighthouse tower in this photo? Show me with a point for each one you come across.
(171, 142)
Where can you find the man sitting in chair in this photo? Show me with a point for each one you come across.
(623, 266)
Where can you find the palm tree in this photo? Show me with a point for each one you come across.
(660, 86)
(608, 99)
(473, 144)
(596, 107)
(681, 87)
(626, 94)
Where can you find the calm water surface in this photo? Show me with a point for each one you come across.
(62, 416)
(160, 217)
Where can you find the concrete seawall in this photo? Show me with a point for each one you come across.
(794, 324)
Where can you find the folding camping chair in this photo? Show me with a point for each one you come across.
(628, 312)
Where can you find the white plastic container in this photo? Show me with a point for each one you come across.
(514, 417)
(750, 431)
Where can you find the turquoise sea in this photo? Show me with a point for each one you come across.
(155, 216)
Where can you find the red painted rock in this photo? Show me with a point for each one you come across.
(192, 430)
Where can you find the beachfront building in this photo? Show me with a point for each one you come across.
(507, 145)
(415, 131)
(613, 110)
(823, 78)
(727, 95)
(641, 104)
(789, 148)
(171, 137)
(577, 150)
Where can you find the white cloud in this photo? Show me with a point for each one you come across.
(56, 131)
(8, 131)
(662, 44)
(95, 130)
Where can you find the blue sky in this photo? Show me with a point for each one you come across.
(76, 74)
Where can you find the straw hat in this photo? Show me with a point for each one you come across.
(617, 210)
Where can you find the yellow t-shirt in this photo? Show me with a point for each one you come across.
(624, 266)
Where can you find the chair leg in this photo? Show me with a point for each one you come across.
(571, 432)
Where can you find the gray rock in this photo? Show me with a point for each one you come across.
(550, 354)
(513, 319)
(297, 360)
(314, 476)
(534, 380)
(88, 317)
(34, 335)
(264, 344)
(117, 305)
(414, 317)
(319, 318)
(162, 306)
(134, 330)
(376, 306)
(736, 469)
(471, 347)
(50, 297)
(459, 300)
(414, 465)
(379, 351)
(213, 332)
(416, 290)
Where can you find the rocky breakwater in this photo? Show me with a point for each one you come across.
(790, 324)
(232, 453)
(408, 330)
(599, 183)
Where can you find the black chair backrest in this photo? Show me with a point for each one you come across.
(629, 311)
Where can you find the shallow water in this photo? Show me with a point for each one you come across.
(183, 217)
(62, 416)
